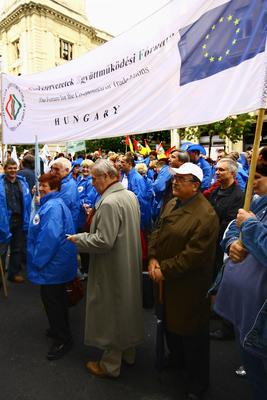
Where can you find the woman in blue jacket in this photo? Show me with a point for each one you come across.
(242, 295)
(52, 261)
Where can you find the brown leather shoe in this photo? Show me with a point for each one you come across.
(95, 369)
(18, 279)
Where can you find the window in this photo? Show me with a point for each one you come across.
(65, 50)
(16, 49)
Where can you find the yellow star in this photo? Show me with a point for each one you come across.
(234, 42)
(227, 52)
(238, 30)
(220, 58)
(206, 54)
(221, 19)
(229, 18)
(236, 22)
(207, 36)
(211, 59)
(204, 46)
(213, 27)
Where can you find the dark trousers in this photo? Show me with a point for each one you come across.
(55, 301)
(192, 353)
(17, 243)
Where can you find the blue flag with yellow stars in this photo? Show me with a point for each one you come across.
(222, 38)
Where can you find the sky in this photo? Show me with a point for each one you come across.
(117, 16)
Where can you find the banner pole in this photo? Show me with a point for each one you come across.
(254, 158)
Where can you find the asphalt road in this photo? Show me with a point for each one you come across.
(25, 374)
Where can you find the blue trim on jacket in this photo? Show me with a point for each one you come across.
(51, 258)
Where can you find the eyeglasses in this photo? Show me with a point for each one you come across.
(177, 178)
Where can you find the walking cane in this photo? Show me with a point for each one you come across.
(3, 278)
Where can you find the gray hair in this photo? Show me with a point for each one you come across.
(104, 166)
(183, 156)
(62, 161)
(231, 164)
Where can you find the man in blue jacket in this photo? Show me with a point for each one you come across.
(68, 192)
(195, 157)
(137, 185)
(15, 204)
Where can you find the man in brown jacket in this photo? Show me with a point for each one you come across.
(182, 253)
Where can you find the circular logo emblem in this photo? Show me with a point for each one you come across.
(80, 189)
(36, 219)
(13, 107)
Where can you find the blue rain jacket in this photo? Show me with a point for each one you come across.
(69, 194)
(5, 213)
(207, 173)
(51, 258)
(159, 187)
(242, 295)
(88, 195)
(242, 178)
(137, 185)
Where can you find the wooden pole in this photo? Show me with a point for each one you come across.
(254, 158)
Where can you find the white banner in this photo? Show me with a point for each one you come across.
(191, 63)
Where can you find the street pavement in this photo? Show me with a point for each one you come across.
(25, 374)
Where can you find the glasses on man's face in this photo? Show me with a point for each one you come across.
(177, 178)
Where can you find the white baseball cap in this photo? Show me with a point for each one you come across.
(188, 168)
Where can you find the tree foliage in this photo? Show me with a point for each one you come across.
(233, 128)
(117, 144)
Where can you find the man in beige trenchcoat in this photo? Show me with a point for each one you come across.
(114, 320)
(181, 253)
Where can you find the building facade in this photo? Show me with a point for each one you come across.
(38, 35)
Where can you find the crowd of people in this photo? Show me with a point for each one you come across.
(178, 216)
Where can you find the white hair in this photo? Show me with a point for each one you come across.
(62, 161)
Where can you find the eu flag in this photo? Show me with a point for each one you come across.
(222, 38)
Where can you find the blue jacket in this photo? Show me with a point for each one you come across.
(207, 173)
(242, 295)
(137, 185)
(242, 178)
(159, 187)
(88, 195)
(5, 213)
(69, 194)
(51, 258)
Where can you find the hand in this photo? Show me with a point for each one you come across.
(71, 238)
(243, 216)
(87, 208)
(154, 270)
(158, 275)
(237, 251)
(37, 200)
